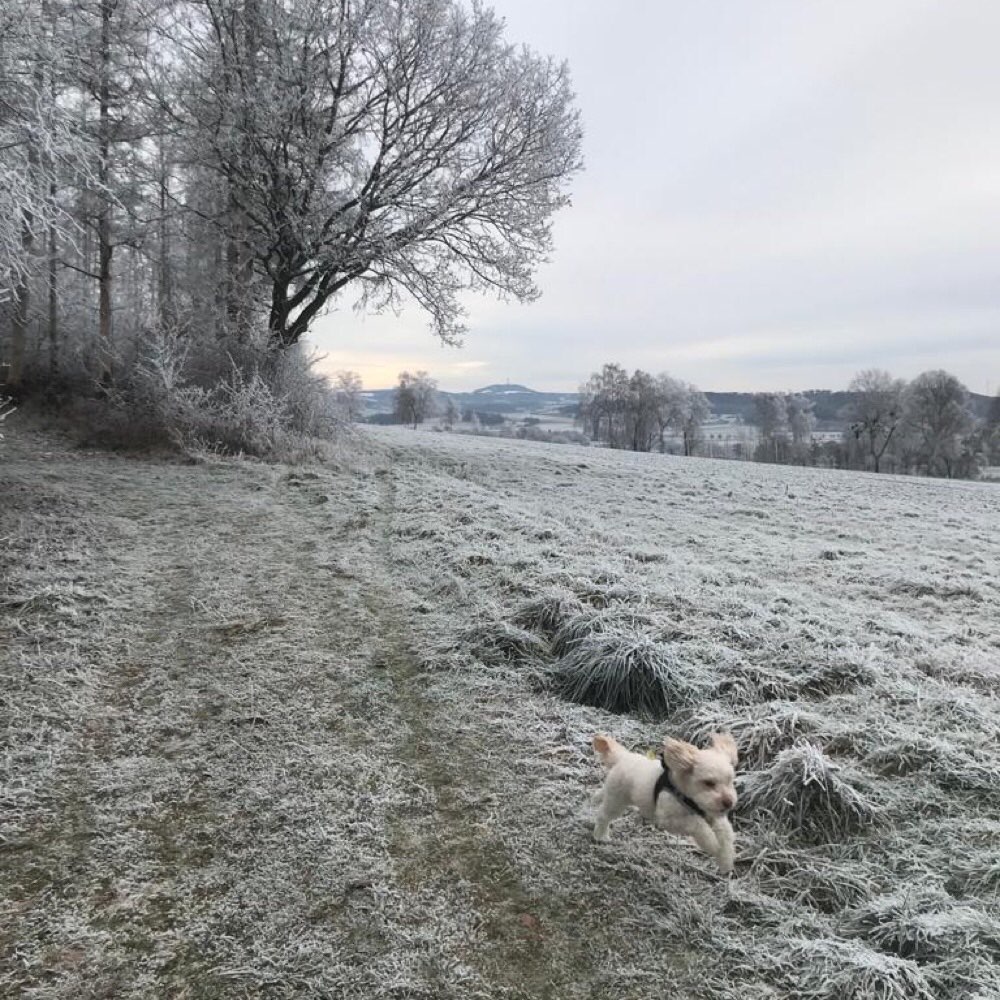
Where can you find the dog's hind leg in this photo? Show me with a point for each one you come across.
(611, 807)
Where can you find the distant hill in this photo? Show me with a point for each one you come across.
(505, 389)
(505, 398)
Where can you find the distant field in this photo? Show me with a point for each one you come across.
(295, 732)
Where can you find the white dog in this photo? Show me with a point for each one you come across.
(687, 791)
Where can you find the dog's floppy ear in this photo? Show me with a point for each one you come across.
(679, 754)
(725, 743)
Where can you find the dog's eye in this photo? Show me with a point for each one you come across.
(710, 784)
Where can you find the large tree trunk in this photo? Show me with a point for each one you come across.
(105, 248)
(22, 306)
(236, 290)
(165, 282)
(239, 260)
(53, 318)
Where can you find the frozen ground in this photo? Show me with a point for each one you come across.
(292, 732)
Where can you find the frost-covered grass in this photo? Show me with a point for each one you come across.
(626, 671)
(294, 732)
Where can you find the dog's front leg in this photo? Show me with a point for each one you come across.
(726, 838)
(704, 836)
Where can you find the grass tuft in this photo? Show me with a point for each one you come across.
(547, 613)
(627, 671)
(804, 793)
(500, 643)
(923, 923)
(844, 970)
(761, 732)
(590, 622)
(812, 876)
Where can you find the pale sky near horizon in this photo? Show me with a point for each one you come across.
(777, 194)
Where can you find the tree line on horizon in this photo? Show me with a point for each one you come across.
(925, 426)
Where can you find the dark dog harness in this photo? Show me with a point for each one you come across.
(663, 782)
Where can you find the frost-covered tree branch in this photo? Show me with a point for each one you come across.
(401, 147)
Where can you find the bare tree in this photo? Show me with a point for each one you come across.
(450, 413)
(603, 403)
(415, 397)
(642, 407)
(38, 141)
(6, 409)
(936, 406)
(876, 411)
(801, 422)
(636, 412)
(991, 431)
(770, 415)
(683, 409)
(693, 411)
(215, 171)
(402, 147)
(347, 389)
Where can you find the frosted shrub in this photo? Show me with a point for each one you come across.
(310, 405)
(243, 415)
(627, 671)
(251, 401)
(804, 794)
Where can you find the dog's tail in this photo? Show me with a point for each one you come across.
(608, 749)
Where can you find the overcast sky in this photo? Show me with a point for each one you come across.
(777, 194)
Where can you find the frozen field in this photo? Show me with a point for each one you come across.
(297, 732)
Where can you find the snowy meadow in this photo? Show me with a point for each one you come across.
(325, 730)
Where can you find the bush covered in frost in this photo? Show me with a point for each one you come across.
(248, 400)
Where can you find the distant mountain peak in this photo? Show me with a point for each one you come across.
(503, 389)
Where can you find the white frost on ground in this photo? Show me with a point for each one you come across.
(283, 732)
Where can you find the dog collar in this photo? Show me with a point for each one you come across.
(664, 782)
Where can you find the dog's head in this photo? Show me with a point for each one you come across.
(707, 776)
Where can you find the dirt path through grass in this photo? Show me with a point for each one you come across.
(452, 842)
(246, 790)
